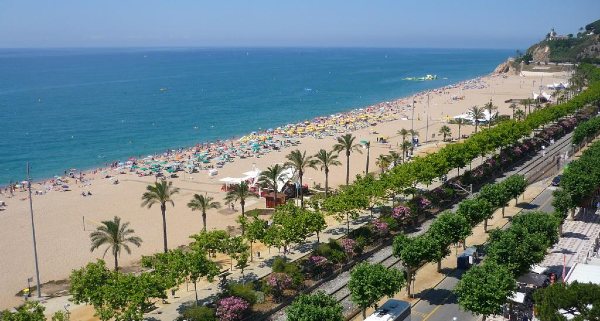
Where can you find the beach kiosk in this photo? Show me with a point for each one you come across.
(392, 310)
(272, 202)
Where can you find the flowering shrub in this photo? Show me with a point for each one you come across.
(349, 244)
(231, 308)
(278, 282)
(401, 212)
(380, 227)
(423, 202)
(318, 260)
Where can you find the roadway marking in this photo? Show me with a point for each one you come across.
(437, 307)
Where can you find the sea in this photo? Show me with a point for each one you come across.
(83, 108)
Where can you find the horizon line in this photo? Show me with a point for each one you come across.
(250, 47)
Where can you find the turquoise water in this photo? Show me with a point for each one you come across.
(83, 108)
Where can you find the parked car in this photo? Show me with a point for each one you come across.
(556, 180)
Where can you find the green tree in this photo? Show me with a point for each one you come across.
(314, 222)
(325, 160)
(445, 131)
(346, 144)
(448, 228)
(516, 249)
(406, 146)
(476, 113)
(203, 203)
(403, 133)
(288, 219)
(270, 178)
(519, 115)
(383, 162)
(475, 210)
(490, 108)
(395, 158)
(240, 193)
(300, 162)
(30, 311)
(578, 299)
(256, 231)
(161, 193)
(413, 252)
(484, 289)
(497, 195)
(116, 237)
(235, 247)
(369, 283)
(211, 242)
(315, 307)
(197, 266)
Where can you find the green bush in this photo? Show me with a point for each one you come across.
(290, 268)
(244, 291)
(363, 232)
(332, 250)
(199, 313)
(361, 242)
(392, 223)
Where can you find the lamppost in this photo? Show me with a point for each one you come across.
(367, 146)
(412, 117)
(427, 121)
(37, 269)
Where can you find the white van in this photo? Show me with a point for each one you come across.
(392, 310)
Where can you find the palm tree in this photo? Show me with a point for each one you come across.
(161, 193)
(519, 115)
(445, 131)
(239, 193)
(476, 113)
(527, 105)
(405, 148)
(460, 122)
(116, 236)
(403, 132)
(346, 143)
(395, 158)
(203, 203)
(383, 162)
(325, 160)
(490, 109)
(270, 177)
(514, 107)
(299, 162)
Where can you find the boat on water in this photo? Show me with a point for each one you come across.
(427, 77)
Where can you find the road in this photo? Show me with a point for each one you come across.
(440, 303)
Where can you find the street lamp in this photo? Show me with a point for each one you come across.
(367, 146)
(35, 255)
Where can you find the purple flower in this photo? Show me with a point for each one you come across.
(423, 202)
(348, 245)
(318, 260)
(279, 281)
(231, 308)
(400, 212)
(381, 227)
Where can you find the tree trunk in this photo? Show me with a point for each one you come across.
(251, 256)
(318, 238)
(116, 261)
(367, 168)
(408, 282)
(163, 209)
(242, 205)
(204, 220)
(326, 182)
(196, 292)
(348, 223)
(483, 317)
(439, 266)
(300, 174)
(364, 313)
(485, 223)
(347, 167)
(502, 211)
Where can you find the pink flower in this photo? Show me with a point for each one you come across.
(231, 308)
(380, 227)
(349, 245)
(279, 281)
(400, 212)
(318, 260)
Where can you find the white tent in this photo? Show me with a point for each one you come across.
(518, 297)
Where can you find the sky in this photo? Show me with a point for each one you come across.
(510, 24)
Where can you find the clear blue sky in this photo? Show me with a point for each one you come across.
(323, 23)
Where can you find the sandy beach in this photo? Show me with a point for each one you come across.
(64, 219)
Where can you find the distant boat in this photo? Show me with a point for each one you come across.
(427, 77)
(163, 89)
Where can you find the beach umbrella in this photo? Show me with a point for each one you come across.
(65, 186)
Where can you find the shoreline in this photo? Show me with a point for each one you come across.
(65, 219)
(93, 169)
